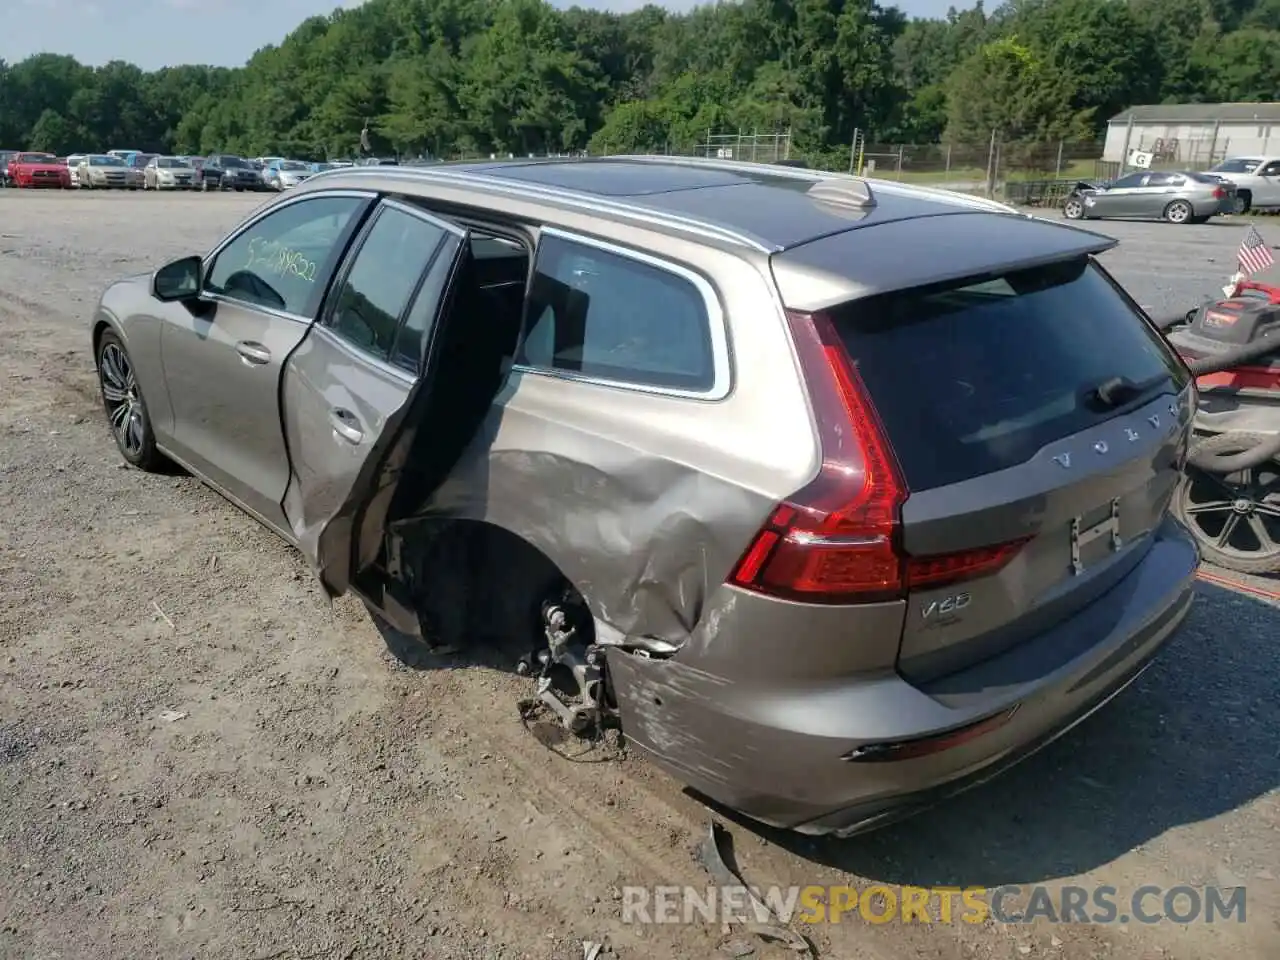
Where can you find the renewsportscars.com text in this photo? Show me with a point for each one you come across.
(879, 903)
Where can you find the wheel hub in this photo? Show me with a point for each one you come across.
(1242, 506)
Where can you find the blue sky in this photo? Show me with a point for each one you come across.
(155, 33)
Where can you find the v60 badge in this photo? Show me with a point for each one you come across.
(937, 609)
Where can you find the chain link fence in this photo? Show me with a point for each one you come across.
(1020, 171)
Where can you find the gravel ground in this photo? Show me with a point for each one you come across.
(317, 798)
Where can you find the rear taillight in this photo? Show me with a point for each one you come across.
(1219, 193)
(837, 540)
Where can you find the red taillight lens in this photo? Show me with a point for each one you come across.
(927, 572)
(836, 541)
(1219, 193)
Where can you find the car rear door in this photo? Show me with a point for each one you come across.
(1158, 189)
(349, 385)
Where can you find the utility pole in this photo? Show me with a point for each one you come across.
(856, 148)
(991, 166)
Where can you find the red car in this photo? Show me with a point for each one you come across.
(38, 170)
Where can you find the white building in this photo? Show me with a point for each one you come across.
(1194, 135)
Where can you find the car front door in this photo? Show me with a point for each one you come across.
(1128, 197)
(349, 384)
(223, 359)
(1268, 192)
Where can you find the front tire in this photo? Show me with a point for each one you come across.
(1073, 209)
(126, 410)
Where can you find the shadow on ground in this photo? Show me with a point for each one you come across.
(1193, 738)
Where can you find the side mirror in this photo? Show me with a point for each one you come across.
(179, 280)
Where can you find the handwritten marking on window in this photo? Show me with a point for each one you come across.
(270, 257)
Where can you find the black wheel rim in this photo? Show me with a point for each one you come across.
(1239, 514)
(125, 412)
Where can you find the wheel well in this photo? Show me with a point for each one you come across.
(481, 578)
(99, 329)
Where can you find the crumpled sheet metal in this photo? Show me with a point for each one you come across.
(715, 854)
(646, 540)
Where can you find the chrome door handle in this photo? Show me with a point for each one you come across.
(345, 425)
(252, 352)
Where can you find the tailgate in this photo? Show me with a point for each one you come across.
(1036, 416)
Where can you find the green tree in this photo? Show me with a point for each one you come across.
(1006, 88)
(54, 133)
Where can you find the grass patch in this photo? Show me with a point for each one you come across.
(1076, 169)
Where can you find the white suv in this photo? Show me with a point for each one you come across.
(1257, 180)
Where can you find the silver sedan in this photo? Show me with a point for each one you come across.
(1173, 196)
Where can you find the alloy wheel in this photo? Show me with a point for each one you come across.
(1178, 212)
(1238, 514)
(125, 412)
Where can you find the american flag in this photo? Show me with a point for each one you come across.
(1254, 255)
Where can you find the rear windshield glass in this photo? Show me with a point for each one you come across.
(977, 377)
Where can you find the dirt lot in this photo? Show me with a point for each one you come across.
(319, 799)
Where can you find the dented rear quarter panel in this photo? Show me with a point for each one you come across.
(643, 500)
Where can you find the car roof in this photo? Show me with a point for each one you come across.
(765, 206)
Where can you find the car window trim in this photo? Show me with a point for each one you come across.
(256, 218)
(329, 303)
(721, 381)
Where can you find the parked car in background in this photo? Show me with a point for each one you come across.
(283, 174)
(1256, 179)
(5, 157)
(29, 169)
(139, 161)
(103, 171)
(168, 173)
(1175, 196)
(610, 411)
(124, 155)
(73, 168)
(226, 171)
(321, 166)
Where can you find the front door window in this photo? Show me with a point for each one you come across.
(284, 260)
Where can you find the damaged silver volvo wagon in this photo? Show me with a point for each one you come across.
(837, 496)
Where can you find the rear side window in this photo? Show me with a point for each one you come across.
(608, 315)
(977, 377)
(376, 291)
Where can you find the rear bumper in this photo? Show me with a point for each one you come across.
(1211, 208)
(774, 750)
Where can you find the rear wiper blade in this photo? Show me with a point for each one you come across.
(1116, 392)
